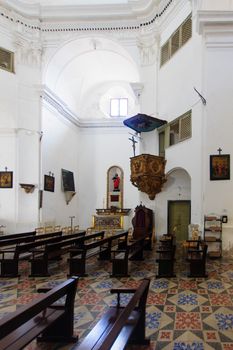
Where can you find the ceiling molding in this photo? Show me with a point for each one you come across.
(136, 14)
(210, 21)
(56, 105)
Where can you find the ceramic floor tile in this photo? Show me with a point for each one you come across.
(182, 313)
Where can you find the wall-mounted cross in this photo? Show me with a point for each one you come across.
(219, 151)
(133, 144)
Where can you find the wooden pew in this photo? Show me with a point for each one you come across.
(53, 251)
(101, 248)
(12, 242)
(165, 260)
(54, 322)
(94, 244)
(120, 257)
(120, 325)
(9, 265)
(197, 261)
(17, 235)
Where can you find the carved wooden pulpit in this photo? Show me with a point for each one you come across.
(147, 173)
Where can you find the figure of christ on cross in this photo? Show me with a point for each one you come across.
(133, 144)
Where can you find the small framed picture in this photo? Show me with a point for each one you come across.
(224, 219)
(220, 167)
(6, 179)
(49, 182)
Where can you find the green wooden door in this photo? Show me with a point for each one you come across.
(179, 218)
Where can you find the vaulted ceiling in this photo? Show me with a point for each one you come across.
(87, 71)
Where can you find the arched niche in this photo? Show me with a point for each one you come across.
(115, 182)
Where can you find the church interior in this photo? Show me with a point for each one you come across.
(115, 150)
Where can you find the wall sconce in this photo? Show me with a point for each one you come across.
(69, 195)
(28, 188)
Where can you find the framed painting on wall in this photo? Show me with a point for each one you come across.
(67, 180)
(220, 167)
(49, 182)
(6, 179)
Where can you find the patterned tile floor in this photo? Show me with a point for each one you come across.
(182, 313)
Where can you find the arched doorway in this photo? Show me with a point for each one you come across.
(179, 203)
(173, 204)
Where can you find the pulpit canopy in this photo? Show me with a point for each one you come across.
(143, 123)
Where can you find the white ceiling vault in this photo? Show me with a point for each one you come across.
(86, 72)
(91, 68)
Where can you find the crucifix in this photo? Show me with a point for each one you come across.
(133, 144)
(219, 151)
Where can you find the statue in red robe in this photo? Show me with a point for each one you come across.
(116, 183)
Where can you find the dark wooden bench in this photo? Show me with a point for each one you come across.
(10, 257)
(102, 248)
(17, 235)
(120, 257)
(165, 260)
(12, 242)
(120, 325)
(48, 317)
(197, 261)
(53, 251)
(94, 244)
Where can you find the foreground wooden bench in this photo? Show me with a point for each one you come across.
(120, 325)
(44, 316)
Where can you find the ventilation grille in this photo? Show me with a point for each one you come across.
(185, 126)
(186, 31)
(6, 60)
(176, 131)
(165, 53)
(176, 40)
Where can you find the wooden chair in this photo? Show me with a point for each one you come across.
(66, 230)
(76, 228)
(57, 228)
(49, 229)
(143, 224)
(39, 230)
(167, 241)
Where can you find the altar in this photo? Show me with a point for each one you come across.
(110, 219)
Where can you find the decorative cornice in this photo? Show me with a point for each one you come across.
(35, 18)
(56, 104)
(212, 20)
(216, 27)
